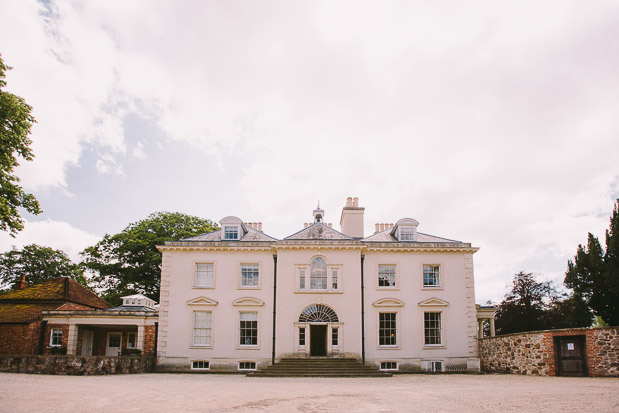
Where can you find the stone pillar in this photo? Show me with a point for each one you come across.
(72, 340)
(140, 338)
(480, 327)
(492, 327)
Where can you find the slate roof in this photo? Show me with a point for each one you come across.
(26, 304)
(251, 235)
(319, 231)
(385, 236)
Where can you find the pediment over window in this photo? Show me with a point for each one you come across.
(248, 301)
(433, 302)
(388, 302)
(202, 301)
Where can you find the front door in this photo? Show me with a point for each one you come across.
(571, 356)
(318, 340)
(87, 343)
(113, 344)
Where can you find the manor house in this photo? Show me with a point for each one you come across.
(238, 299)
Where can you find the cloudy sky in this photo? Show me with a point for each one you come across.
(489, 122)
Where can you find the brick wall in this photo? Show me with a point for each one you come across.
(48, 330)
(149, 341)
(20, 338)
(534, 352)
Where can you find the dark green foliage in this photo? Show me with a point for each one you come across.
(15, 124)
(526, 306)
(594, 273)
(569, 312)
(37, 264)
(129, 262)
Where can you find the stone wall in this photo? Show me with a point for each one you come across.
(76, 365)
(534, 353)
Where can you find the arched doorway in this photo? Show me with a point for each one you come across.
(318, 320)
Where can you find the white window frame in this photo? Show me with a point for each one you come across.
(229, 229)
(247, 265)
(441, 328)
(195, 275)
(59, 337)
(247, 369)
(397, 330)
(396, 279)
(201, 368)
(135, 340)
(303, 278)
(439, 277)
(209, 344)
(408, 233)
(396, 368)
(238, 336)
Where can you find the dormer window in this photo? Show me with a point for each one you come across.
(231, 232)
(407, 234)
(405, 230)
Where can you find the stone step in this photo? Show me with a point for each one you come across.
(322, 367)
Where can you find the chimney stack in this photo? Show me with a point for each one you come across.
(351, 221)
(21, 284)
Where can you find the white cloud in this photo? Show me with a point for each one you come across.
(58, 235)
(492, 124)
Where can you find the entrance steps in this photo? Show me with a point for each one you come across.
(319, 367)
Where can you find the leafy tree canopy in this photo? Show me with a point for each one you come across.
(37, 264)
(594, 273)
(15, 124)
(535, 305)
(129, 262)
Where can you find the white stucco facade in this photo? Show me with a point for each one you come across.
(399, 298)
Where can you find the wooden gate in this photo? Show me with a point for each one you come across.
(571, 356)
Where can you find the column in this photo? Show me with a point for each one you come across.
(140, 338)
(480, 327)
(492, 327)
(72, 340)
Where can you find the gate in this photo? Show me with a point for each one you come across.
(571, 356)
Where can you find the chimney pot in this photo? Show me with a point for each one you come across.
(355, 202)
(330, 225)
(260, 226)
(305, 225)
(21, 284)
(376, 230)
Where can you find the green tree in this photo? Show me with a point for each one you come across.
(37, 264)
(569, 312)
(594, 273)
(15, 124)
(526, 306)
(129, 262)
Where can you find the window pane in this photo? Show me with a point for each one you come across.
(334, 280)
(302, 336)
(202, 328)
(248, 329)
(407, 234)
(301, 279)
(204, 275)
(250, 276)
(55, 337)
(431, 276)
(318, 274)
(386, 275)
(432, 328)
(387, 329)
(231, 232)
(334, 337)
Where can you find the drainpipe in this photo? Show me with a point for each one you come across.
(156, 339)
(274, 302)
(362, 314)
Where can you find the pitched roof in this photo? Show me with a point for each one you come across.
(61, 289)
(319, 231)
(385, 236)
(251, 235)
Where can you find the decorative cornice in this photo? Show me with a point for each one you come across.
(388, 302)
(433, 302)
(186, 246)
(248, 301)
(202, 301)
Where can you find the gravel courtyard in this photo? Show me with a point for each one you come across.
(231, 393)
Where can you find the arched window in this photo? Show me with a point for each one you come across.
(318, 313)
(318, 274)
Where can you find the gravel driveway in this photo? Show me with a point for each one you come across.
(232, 393)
